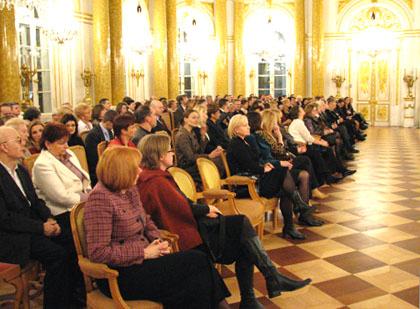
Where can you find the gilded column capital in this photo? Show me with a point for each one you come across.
(317, 48)
(173, 61)
(101, 50)
(117, 57)
(160, 50)
(300, 54)
(220, 16)
(239, 62)
(9, 78)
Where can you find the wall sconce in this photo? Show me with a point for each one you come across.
(410, 79)
(87, 77)
(137, 75)
(26, 75)
(338, 81)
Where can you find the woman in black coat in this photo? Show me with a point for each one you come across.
(243, 158)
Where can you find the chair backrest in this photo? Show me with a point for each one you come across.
(225, 164)
(80, 153)
(78, 232)
(167, 118)
(184, 182)
(101, 147)
(83, 135)
(29, 162)
(209, 174)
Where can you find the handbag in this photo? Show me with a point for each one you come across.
(213, 234)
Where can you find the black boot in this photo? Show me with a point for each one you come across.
(306, 218)
(275, 281)
(293, 233)
(299, 204)
(245, 275)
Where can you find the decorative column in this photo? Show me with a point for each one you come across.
(117, 58)
(101, 50)
(239, 64)
(160, 50)
(9, 78)
(222, 56)
(317, 48)
(172, 33)
(300, 59)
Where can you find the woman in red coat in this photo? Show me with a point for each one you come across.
(172, 210)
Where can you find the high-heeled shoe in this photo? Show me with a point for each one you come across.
(293, 233)
(299, 205)
(318, 194)
(276, 282)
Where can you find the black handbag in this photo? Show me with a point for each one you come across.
(213, 234)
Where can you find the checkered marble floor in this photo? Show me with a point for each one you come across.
(367, 255)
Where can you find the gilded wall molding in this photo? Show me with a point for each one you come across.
(239, 59)
(317, 48)
(10, 88)
(101, 50)
(299, 81)
(220, 16)
(173, 61)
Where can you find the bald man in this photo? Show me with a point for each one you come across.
(27, 229)
(158, 108)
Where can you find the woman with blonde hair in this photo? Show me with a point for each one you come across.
(120, 234)
(270, 134)
(244, 159)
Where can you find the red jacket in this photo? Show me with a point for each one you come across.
(169, 209)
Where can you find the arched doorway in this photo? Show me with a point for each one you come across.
(374, 61)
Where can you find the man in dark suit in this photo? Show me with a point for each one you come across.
(27, 229)
(182, 107)
(99, 133)
(158, 109)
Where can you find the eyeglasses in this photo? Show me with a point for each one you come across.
(17, 140)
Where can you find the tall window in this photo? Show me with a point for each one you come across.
(272, 77)
(186, 76)
(34, 52)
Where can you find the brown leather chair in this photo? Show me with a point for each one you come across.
(92, 271)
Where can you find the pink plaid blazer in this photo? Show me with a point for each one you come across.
(117, 228)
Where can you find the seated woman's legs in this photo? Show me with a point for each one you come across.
(253, 253)
(180, 280)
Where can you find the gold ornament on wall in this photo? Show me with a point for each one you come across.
(410, 79)
(26, 75)
(338, 81)
(87, 77)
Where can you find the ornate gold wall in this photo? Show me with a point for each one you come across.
(317, 48)
(239, 64)
(160, 50)
(101, 50)
(172, 33)
(117, 58)
(9, 77)
(222, 56)
(300, 54)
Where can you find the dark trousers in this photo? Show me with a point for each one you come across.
(318, 163)
(180, 280)
(55, 260)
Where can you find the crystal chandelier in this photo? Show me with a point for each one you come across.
(8, 4)
(60, 25)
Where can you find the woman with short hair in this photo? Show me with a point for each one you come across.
(124, 129)
(120, 234)
(171, 210)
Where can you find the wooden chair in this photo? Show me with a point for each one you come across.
(11, 285)
(211, 179)
(92, 271)
(101, 147)
(80, 153)
(29, 162)
(173, 137)
(83, 135)
(167, 118)
(269, 204)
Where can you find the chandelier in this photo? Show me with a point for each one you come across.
(8, 4)
(60, 25)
